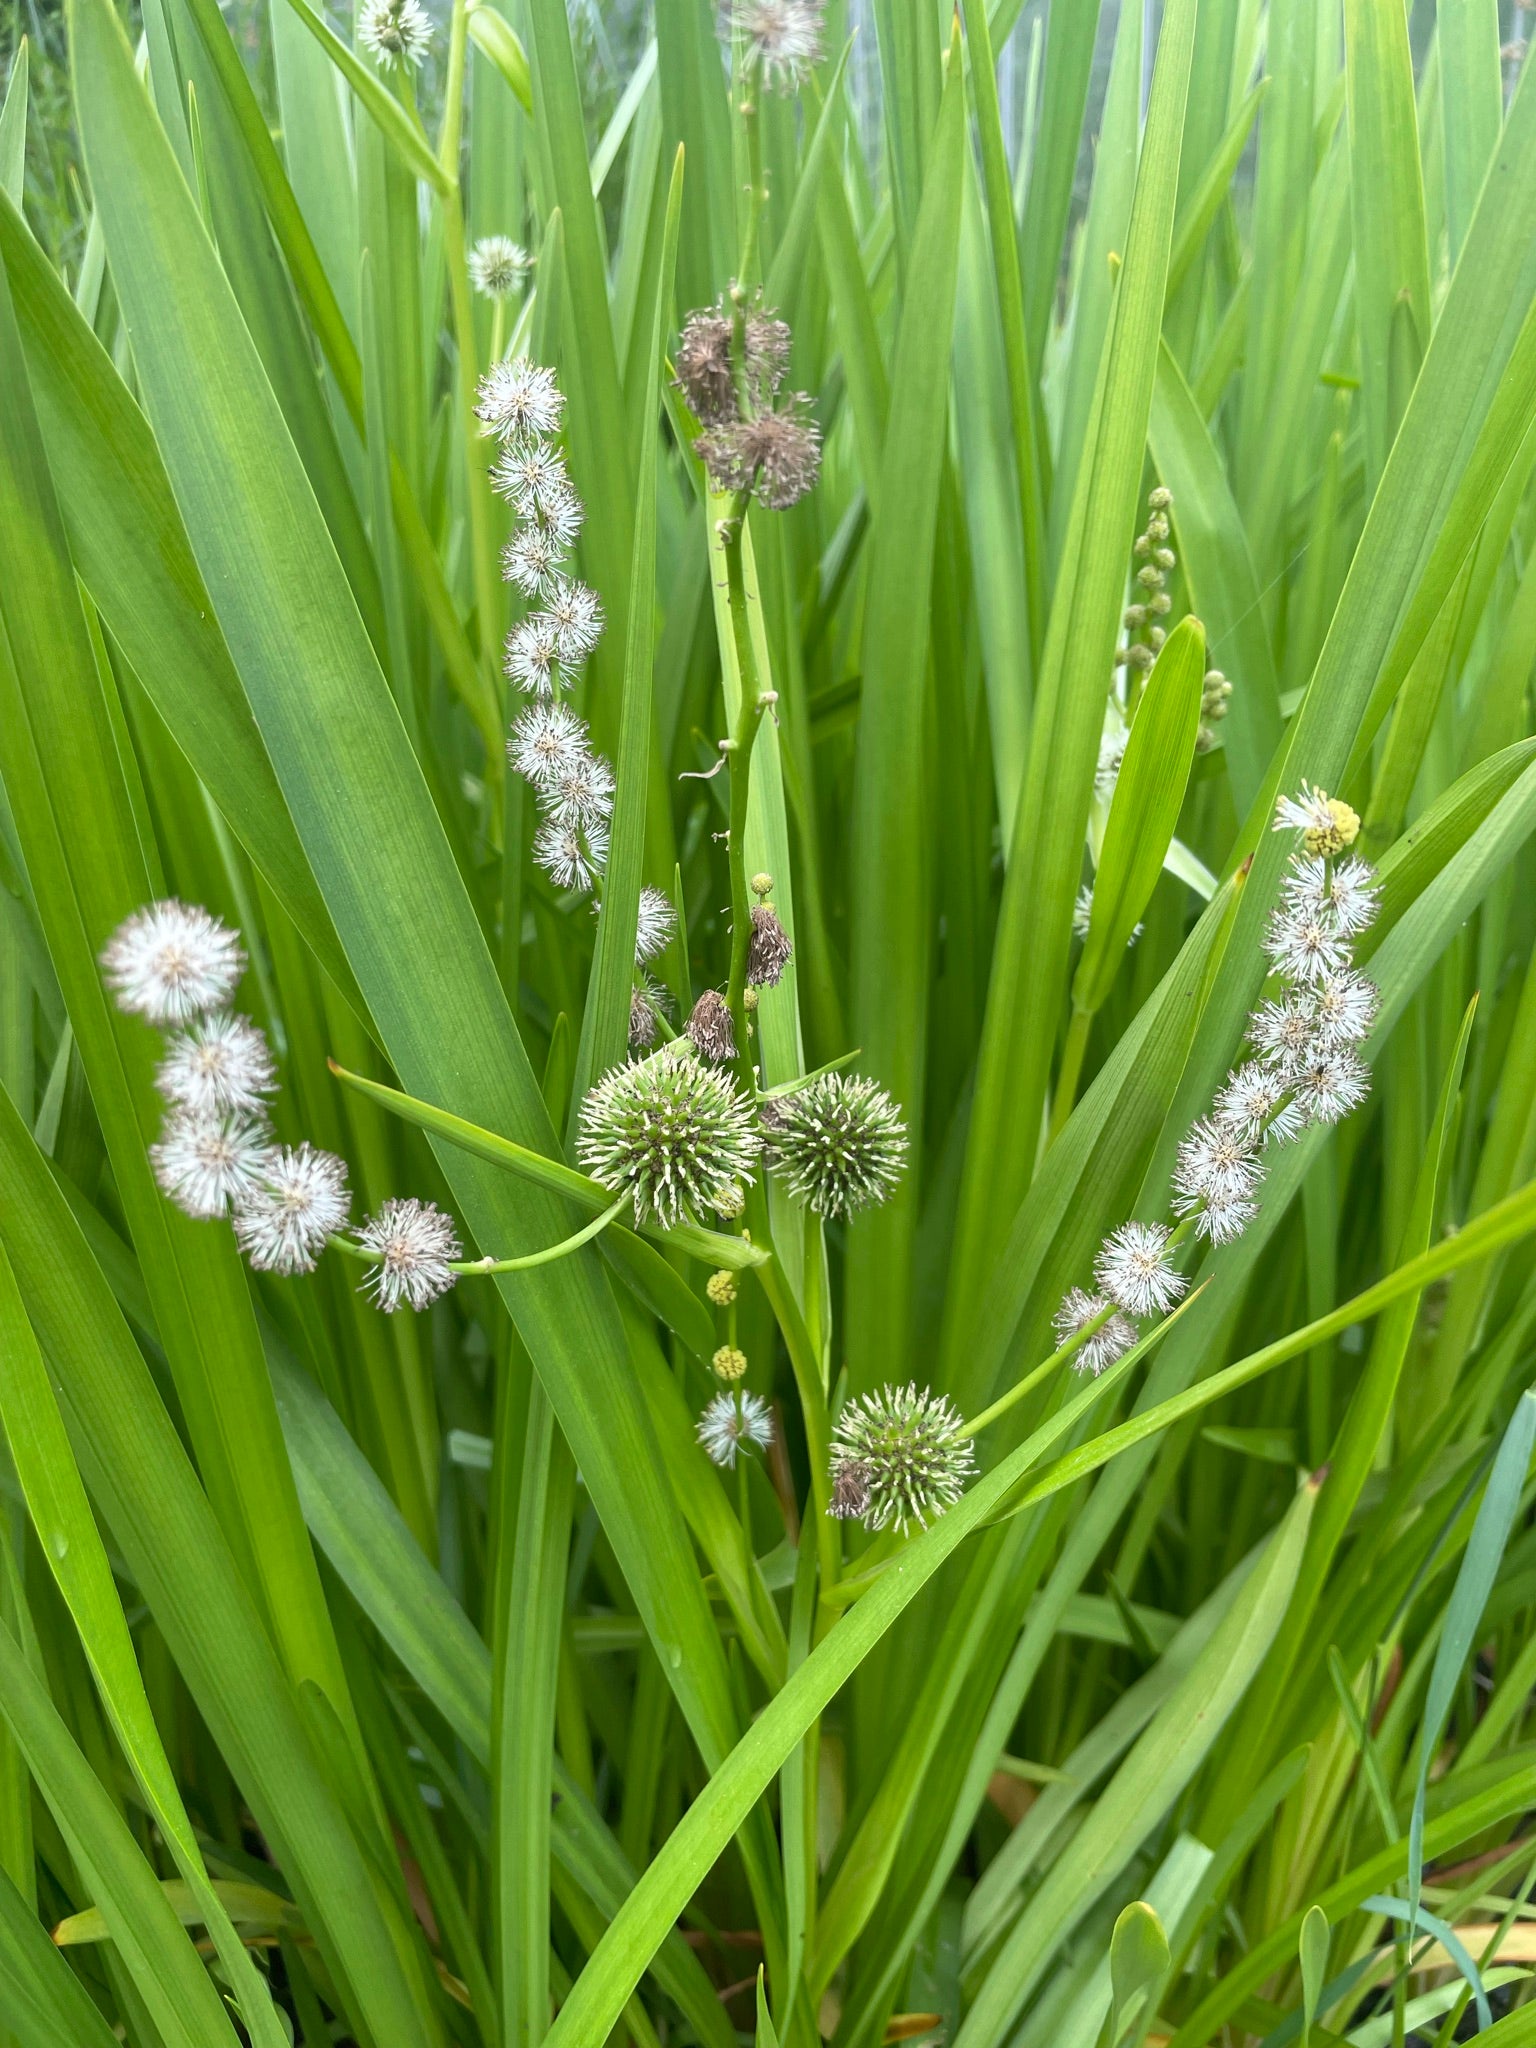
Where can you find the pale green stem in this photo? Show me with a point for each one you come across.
(546, 1257)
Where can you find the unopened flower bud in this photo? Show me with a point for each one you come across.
(1160, 499)
(761, 885)
(729, 1364)
(721, 1288)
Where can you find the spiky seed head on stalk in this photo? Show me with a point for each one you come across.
(395, 32)
(729, 1364)
(1099, 1350)
(171, 961)
(721, 1287)
(220, 1062)
(911, 1444)
(415, 1244)
(782, 38)
(767, 343)
(769, 948)
(519, 400)
(839, 1143)
(302, 1200)
(709, 1026)
(1135, 1269)
(671, 1131)
(496, 264)
(210, 1161)
(704, 374)
(734, 1422)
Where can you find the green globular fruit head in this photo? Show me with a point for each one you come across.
(671, 1131)
(838, 1144)
(897, 1457)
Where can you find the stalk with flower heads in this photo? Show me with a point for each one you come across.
(1306, 1069)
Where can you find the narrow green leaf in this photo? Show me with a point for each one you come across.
(13, 127)
(1138, 1961)
(892, 878)
(491, 32)
(43, 2000)
(77, 1558)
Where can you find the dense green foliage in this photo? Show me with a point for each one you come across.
(415, 1678)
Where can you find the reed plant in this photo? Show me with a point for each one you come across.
(767, 1024)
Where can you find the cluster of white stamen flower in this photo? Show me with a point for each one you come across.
(1305, 1069)
(550, 746)
(216, 1156)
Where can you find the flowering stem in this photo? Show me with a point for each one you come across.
(588, 1231)
(754, 702)
(486, 585)
(1017, 1392)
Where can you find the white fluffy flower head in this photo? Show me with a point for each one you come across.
(302, 1200)
(1255, 1105)
(548, 741)
(519, 400)
(208, 1163)
(1214, 1160)
(573, 856)
(581, 794)
(1334, 1081)
(1111, 1340)
(1304, 944)
(782, 38)
(395, 31)
(171, 961)
(575, 615)
(1135, 1270)
(531, 476)
(532, 559)
(495, 265)
(219, 1062)
(1344, 1007)
(654, 925)
(414, 1243)
(734, 1422)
